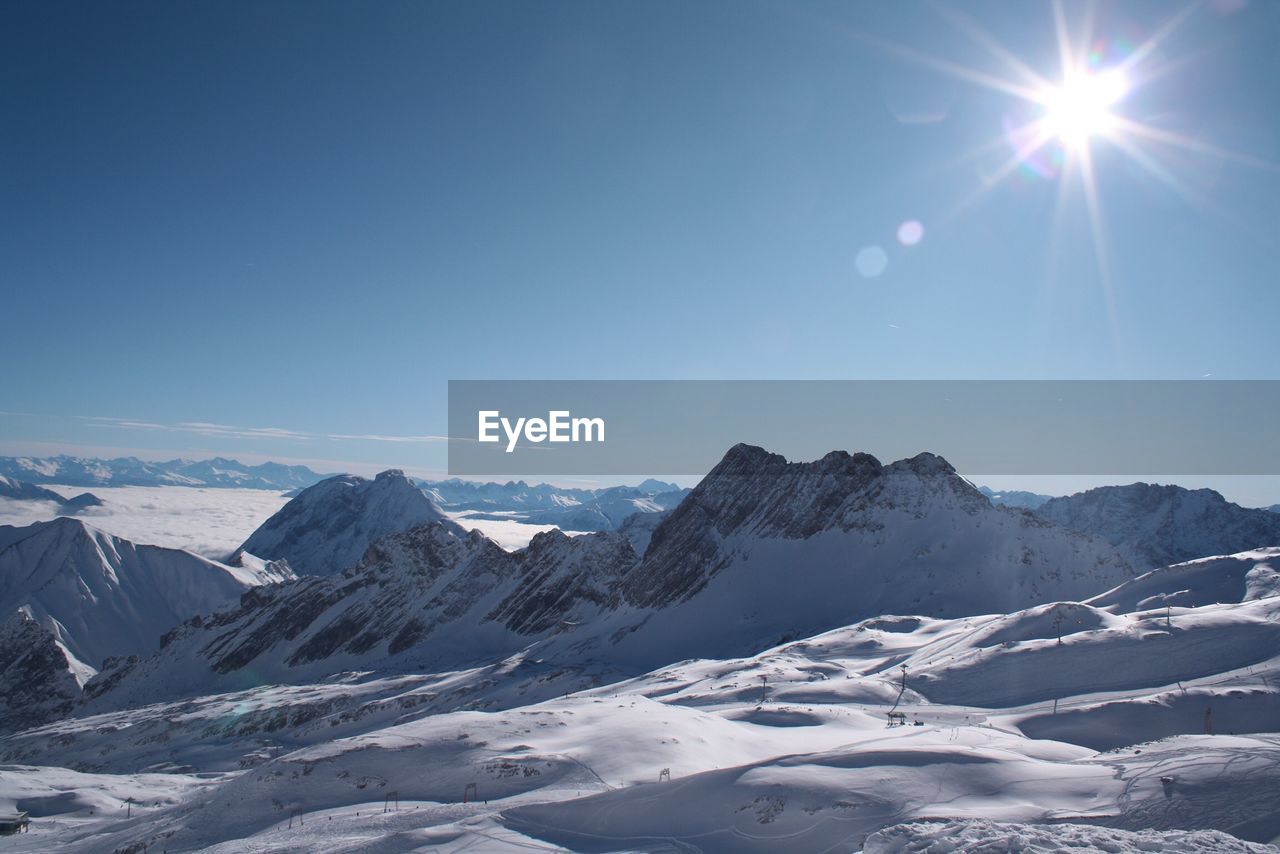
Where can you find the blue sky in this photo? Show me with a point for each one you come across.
(299, 220)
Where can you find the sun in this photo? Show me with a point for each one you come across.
(1080, 108)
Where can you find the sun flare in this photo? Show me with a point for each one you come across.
(1081, 107)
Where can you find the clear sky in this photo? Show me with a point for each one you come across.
(276, 229)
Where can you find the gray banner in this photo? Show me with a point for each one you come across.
(993, 427)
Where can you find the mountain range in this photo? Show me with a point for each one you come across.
(761, 550)
(570, 509)
(131, 471)
(748, 643)
(1015, 497)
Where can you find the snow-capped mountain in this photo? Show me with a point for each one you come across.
(515, 495)
(1014, 497)
(104, 596)
(762, 549)
(329, 526)
(131, 471)
(21, 491)
(1155, 525)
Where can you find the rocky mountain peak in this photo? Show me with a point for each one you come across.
(328, 527)
(1156, 525)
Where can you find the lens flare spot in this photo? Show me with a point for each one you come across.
(910, 232)
(871, 261)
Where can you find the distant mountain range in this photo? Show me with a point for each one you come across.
(131, 471)
(602, 509)
(1014, 497)
(573, 509)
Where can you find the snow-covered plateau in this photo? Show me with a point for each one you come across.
(840, 655)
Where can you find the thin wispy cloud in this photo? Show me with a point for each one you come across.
(123, 423)
(231, 431)
(371, 437)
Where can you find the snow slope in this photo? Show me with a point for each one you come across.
(979, 836)
(1226, 578)
(802, 761)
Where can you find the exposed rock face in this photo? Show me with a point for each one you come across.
(1159, 525)
(750, 491)
(36, 681)
(328, 527)
(919, 506)
(565, 579)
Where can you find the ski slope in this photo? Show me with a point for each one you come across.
(787, 749)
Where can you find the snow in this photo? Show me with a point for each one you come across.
(979, 836)
(208, 521)
(802, 760)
